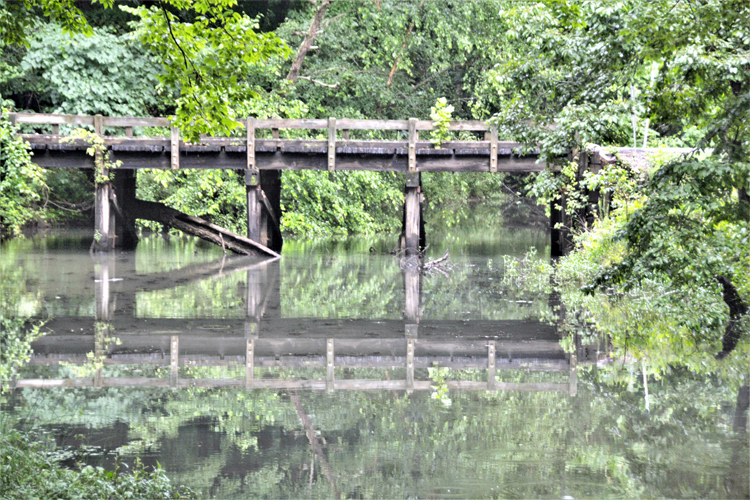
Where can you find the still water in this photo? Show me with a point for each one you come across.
(340, 371)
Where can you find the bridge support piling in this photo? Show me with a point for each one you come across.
(253, 213)
(263, 208)
(104, 219)
(413, 226)
(124, 201)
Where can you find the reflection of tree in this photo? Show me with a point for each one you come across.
(382, 444)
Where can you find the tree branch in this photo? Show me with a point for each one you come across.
(188, 63)
(304, 48)
(403, 48)
(330, 86)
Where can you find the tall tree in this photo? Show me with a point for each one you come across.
(581, 71)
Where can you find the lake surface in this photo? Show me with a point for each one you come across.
(340, 371)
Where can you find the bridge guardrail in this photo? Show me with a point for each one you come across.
(413, 126)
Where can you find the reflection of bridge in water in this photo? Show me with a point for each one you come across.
(265, 340)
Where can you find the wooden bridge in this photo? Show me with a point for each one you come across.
(262, 154)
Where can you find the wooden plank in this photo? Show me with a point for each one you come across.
(282, 123)
(136, 121)
(331, 144)
(188, 148)
(468, 125)
(46, 141)
(287, 161)
(350, 124)
(142, 144)
(53, 119)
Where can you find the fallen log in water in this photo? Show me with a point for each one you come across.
(159, 212)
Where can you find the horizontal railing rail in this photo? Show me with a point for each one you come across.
(259, 123)
(412, 147)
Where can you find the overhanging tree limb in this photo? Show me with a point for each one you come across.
(304, 48)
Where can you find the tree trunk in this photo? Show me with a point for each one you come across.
(196, 226)
(320, 13)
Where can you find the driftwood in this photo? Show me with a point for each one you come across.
(414, 262)
(158, 212)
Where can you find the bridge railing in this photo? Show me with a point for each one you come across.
(412, 126)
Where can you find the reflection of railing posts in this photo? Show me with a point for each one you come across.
(573, 376)
(329, 365)
(103, 269)
(174, 362)
(100, 333)
(491, 385)
(409, 366)
(249, 362)
(411, 301)
(254, 298)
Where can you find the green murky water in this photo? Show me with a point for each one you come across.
(339, 372)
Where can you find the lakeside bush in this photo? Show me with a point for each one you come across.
(26, 472)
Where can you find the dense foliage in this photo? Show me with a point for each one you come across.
(29, 473)
(21, 181)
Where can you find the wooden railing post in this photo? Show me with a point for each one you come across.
(250, 143)
(174, 147)
(409, 366)
(491, 366)
(252, 188)
(573, 376)
(174, 361)
(329, 365)
(104, 217)
(331, 144)
(493, 150)
(412, 144)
